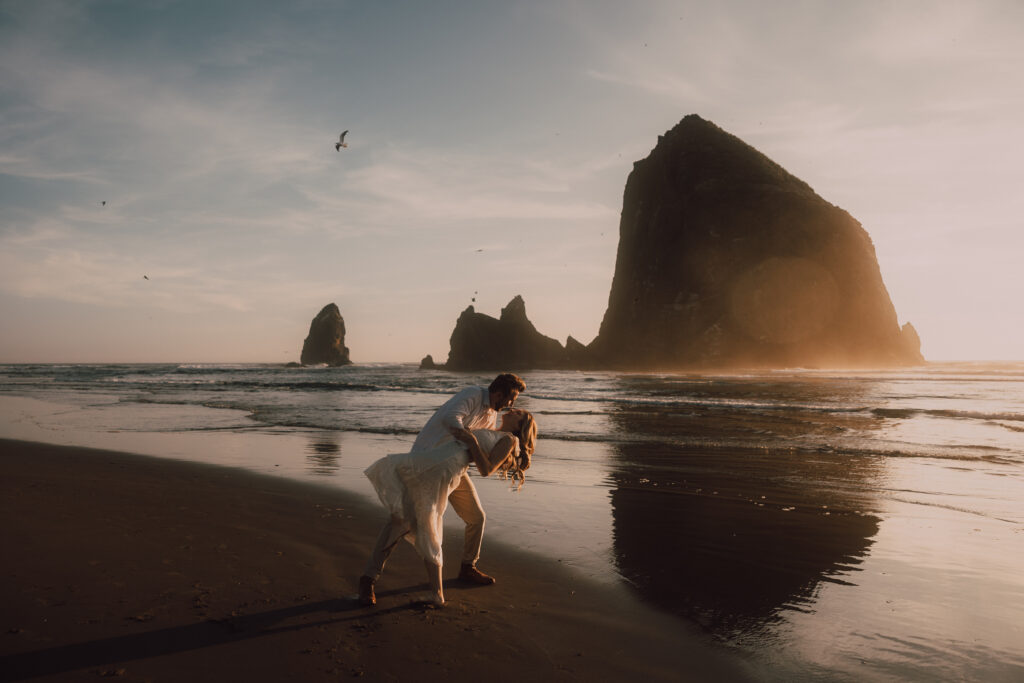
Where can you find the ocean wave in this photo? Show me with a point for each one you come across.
(570, 412)
(804, 412)
(955, 508)
(903, 413)
(685, 402)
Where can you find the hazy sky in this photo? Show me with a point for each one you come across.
(489, 146)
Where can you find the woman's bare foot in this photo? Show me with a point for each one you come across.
(435, 598)
(430, 601)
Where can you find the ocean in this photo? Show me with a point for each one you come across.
(827, 525)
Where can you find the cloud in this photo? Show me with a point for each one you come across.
(446, 187)
(48, 267)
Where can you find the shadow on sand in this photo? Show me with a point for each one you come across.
(176, 639)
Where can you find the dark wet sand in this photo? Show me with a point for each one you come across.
(146, 569)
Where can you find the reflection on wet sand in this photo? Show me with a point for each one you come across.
(747, 411)
(733, 537)
(323, 454)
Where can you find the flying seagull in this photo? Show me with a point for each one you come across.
(145, 277)
(341, 142)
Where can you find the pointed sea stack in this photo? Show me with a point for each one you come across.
(727, 260)
(479, 342)
(326, 340)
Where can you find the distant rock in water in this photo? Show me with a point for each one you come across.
(480, 342)
(725, 260)
(326, 340)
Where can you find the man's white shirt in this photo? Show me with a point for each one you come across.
(468, 409)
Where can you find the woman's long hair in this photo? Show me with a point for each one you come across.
(526, 435)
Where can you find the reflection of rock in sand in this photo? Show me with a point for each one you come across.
(728, 536)
(324, 454)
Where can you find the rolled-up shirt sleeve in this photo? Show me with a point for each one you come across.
(469, 409)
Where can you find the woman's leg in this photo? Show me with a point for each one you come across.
(434, 579)
(387, 539)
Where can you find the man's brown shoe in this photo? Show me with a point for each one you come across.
(471, 574)
(366, 596)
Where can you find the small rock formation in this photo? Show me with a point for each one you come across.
(726, 260)
(326, 340)
(428, 363)
(479, 342)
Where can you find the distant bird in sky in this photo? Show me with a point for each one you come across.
(103, 203)
(145, 277)
(341, 142)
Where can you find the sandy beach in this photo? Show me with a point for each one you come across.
(211, 522)
(148, 569)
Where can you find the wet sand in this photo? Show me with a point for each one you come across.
(148, 569)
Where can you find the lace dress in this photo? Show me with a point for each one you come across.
(414, 487)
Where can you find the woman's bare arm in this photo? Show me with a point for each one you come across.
(488, 463)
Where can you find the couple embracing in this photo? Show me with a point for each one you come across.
(416, 487)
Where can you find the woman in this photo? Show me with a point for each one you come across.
(414, 487)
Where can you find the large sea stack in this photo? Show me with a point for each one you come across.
(726, 260)
(326, 340)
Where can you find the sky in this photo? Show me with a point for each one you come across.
(489, 145)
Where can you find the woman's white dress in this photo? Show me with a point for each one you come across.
(414, 487)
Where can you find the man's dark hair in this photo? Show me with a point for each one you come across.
(505, 382)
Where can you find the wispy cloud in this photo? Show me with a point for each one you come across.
(641, 76)
(441, 187)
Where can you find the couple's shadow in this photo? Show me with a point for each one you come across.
(211, 632)
(419, 596)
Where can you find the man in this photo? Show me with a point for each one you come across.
(472, 408)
